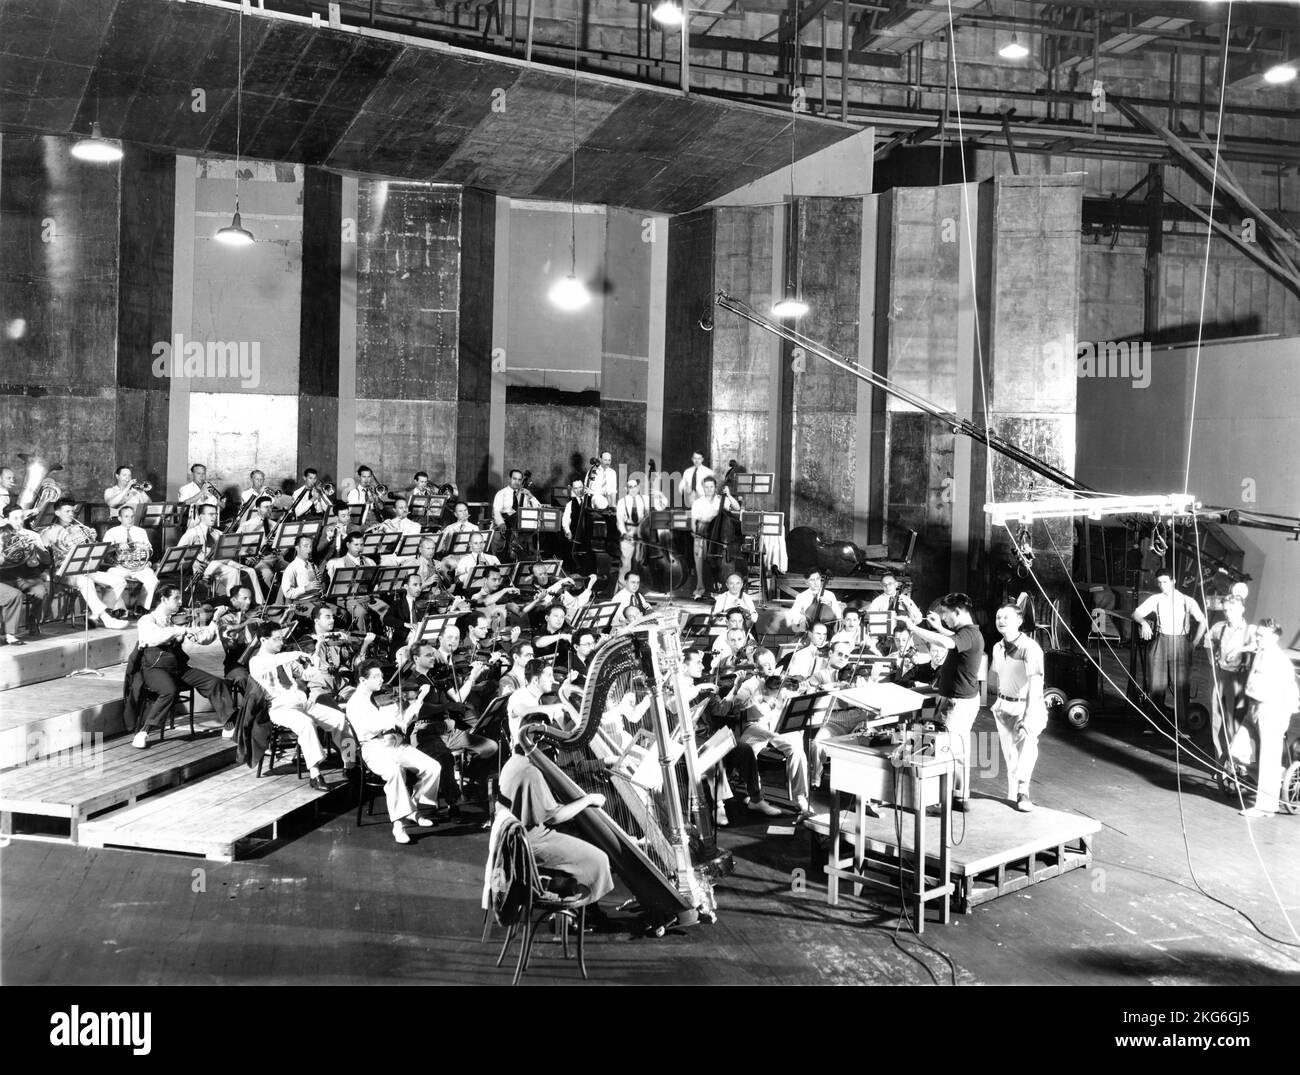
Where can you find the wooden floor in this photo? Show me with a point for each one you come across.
(334, 904)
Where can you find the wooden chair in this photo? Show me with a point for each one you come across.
(521, 897)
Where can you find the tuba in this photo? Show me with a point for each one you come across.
(38, 488)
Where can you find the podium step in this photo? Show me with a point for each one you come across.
(216, 817)
(61, 651)
(37, 800)
(43, 719)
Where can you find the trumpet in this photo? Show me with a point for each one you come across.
(322, 498)
(210, 488)
(140, 487)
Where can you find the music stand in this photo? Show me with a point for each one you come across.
(481, 572)
(433, 625)
(460, 542)
(352, 582)
(291, 531)
(522, 571)
(598, 618)
(541, 519)
(236, 546)
(805, 712)
(671, 519)
(391, 578)
(418, 507)
(410, 545)
(83, 560)
(356, 513)
(880, 624)
(156, 516)
(177, 560)
(756, 484)
(379, 543)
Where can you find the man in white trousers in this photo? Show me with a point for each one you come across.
(1016, 697)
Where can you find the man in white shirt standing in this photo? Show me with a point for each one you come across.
(128, 559)
(1015, 686)
(1169, 660)
(381, 734)
(629, 513)
(1271, 688)
(692, 484)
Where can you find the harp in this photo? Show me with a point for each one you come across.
(634, 743)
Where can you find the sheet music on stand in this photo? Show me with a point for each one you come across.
(432, 627)
(352, 582)
(83, 560)
(542, 519)
(418, 507)
(356, 513)
(460, 542)
(238, 545)
(879, 623)
(522, 572)
(481, 572)
(671, 519)
(157, 515)
(598, 618)
(291, 531)
(177, 560)
(410, 544)
(379, 543)
(754, 484)
(388, 579)
(805, 712)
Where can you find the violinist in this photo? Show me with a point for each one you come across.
(267, 561)
(542, 592)
(734, 596)
(405, 613)
(165, 665)
(584, 645)
(520, 654)
(539, 681)
(704, 511)
(331, 676)
(739, 651)
(280, 675)
(722, 644)
(442, 726)
(495, 600)
(812, 656)
(552, 641)
(236, 633)
(703, 700)
(852, 631)
(451, 658)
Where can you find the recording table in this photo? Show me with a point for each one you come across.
(921, 781)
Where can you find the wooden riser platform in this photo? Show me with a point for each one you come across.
(80, 783)
(62, 651)
(216, 818)
(1000, 851)
(858, 585)
(42, 719)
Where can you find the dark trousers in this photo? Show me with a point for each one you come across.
(442, 748)
(165, 680)
(1170, 663)
(11, 604)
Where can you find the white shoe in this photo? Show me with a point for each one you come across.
(424, 822)
(1255, 811)
(765, 807)
(399, 833)
(720, 818)
(111, 622)
(141, 740)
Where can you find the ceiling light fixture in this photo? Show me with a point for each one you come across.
(235, 234)
(1013, 49)
(571, 293)
(1280, 73)
(97, 148)
(667, 13)
(790, 305)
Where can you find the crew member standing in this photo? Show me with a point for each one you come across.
(1169, 659)
(1016, 685)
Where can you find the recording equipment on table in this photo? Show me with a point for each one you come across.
(654, 825)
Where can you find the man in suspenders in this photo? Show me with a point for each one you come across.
(1169, 659)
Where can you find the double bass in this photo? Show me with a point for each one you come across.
(723, 539)
(658, 552)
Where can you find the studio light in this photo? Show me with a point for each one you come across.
(667, 13)
(1013, 49)
(235, 234)
(1279, 73)
(97, 148)
(569, 294)
(790, 306)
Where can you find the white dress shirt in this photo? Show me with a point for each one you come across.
(726, 601)
(132, 548)
(505, 512)
(604, 482)
(631, 511)
(692, 484)
(804, 603)
(299, 576)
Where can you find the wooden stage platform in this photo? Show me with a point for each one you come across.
(995, 848)
(60, 651)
